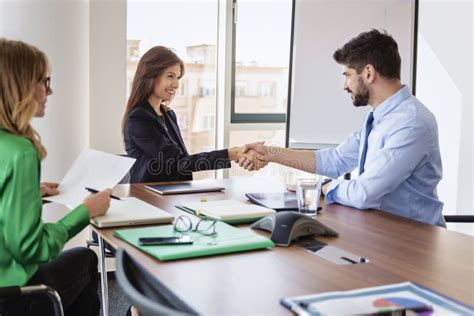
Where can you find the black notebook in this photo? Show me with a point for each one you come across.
(183, 188)
(279, 201)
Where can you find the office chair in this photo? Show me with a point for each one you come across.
(144, 291)
(15, 292)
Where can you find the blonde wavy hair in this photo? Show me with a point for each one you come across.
(22, 66)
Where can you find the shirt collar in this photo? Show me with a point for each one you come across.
(391, 102)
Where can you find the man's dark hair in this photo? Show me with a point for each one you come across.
(372, 47)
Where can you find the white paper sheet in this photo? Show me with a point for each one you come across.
(93, 169)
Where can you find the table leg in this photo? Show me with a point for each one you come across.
(103, 278)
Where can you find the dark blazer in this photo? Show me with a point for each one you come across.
(160, 151)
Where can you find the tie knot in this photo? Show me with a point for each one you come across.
(370, 118)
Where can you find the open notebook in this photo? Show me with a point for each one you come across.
(229, 211)
(131, 211)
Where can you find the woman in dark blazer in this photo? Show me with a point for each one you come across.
(150, 129)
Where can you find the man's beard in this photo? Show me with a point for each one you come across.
(361, 96)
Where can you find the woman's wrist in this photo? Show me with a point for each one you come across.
(233, 154)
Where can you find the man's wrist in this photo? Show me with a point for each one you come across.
(272, 153)
(325, 185)
(326, 181)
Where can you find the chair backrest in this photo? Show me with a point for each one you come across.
(459, 218)
(145, 292)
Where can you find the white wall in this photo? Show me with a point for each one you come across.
(86, 44)
(445, 85)
(108, 73)
(61, 30)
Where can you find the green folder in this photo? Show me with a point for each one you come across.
(228, 239)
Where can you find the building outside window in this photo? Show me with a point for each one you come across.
(261, 69)
(181, 92)
(241, 89)
(262, 56)
(266, 89)
(207, 88)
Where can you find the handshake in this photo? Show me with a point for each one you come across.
(253, 156)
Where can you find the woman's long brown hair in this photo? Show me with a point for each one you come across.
(22, 67)
(150, 67)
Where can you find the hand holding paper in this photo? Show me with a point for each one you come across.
(94, 169)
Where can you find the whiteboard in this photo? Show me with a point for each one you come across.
(320, 112)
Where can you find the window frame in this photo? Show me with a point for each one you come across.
(250, 117)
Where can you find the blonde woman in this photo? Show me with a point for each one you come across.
(30, 250)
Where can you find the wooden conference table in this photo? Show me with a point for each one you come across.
(253, 282)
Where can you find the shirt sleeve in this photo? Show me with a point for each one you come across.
(403, 150)
(28, 239)
(337, 161)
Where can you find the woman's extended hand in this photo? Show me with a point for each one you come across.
(49, 189)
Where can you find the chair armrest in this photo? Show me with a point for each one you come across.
(10, 292)
(459, 218)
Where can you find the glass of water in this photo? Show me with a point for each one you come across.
(308, 192)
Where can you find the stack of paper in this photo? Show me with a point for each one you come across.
(229, 211)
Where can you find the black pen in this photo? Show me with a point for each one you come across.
(97, 191)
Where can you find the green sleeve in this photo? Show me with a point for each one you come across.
(28, 239)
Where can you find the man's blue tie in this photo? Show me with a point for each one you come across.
(368, 128)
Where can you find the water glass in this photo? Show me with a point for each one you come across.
(308, 192)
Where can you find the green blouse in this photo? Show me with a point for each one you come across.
(25, 241)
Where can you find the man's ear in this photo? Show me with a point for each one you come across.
(369, 73)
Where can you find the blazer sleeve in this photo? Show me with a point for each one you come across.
(163, 151)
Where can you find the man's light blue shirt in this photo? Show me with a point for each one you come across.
(402, 167)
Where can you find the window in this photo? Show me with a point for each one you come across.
(266, 89)
(181, 93)
(160, 22)
(241, 88)
(207, 88)
(209, 122)
(261, 59)
(262, 36)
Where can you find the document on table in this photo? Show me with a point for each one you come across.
(229, 211)
(92, 169)
(396, 299)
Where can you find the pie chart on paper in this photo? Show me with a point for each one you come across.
(389, 303)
